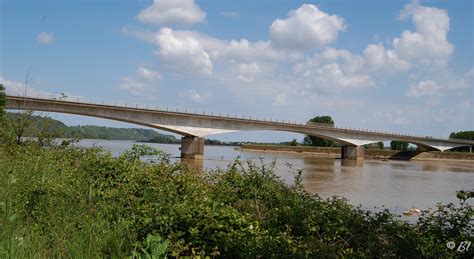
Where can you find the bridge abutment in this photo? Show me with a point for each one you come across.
(352, 153)
(192, 147)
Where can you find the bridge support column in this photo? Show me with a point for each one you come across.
(352, 152)
(192, 147)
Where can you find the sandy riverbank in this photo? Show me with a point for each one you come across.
(373, 154)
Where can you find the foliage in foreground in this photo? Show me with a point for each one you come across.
(65, 201)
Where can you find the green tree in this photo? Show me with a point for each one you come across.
(316, 141)
(399, 145)
(462, 135)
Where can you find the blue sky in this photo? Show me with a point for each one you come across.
(404, 66)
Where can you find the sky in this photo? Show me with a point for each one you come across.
(403, 66)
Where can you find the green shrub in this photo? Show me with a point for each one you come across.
(64, 201)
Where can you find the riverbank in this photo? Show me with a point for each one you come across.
(372, 154)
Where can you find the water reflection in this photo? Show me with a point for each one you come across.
(352, 163)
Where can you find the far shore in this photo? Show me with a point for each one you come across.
(370, 154)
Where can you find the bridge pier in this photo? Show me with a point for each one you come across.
(192, 147)
(352, 153)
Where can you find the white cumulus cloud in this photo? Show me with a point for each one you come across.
(246, 51)
(377, 58)
(429, 42)
(248, 72)
(166, 12)
(306, 28)
(45, 38)
(182, 52)
(333, 70)
(375, 55)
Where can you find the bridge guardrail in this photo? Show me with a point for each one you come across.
(84, 100)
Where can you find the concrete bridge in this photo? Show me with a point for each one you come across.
(193, 126)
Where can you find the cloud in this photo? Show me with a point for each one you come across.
(182, 53)
(333, 70)
(192, 95)
(45, 38)
(248, 71)
(132, 85)
(13, 87)
(280, 100)
(296, 69)
(424, 88)
(142, 84)
(466, 82)
(443, 83)
(429, 42)
(306, 28)
(167, 12)
(425, 48)
(377, 58)
(246, 51)
(148, 74)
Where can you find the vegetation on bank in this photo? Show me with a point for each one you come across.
(64, 201)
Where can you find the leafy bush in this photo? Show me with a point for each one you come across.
(65, 201)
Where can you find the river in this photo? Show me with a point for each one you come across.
(396, 185)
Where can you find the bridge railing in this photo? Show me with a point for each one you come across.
(95, 101)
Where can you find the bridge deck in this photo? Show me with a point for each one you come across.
(298, 126)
